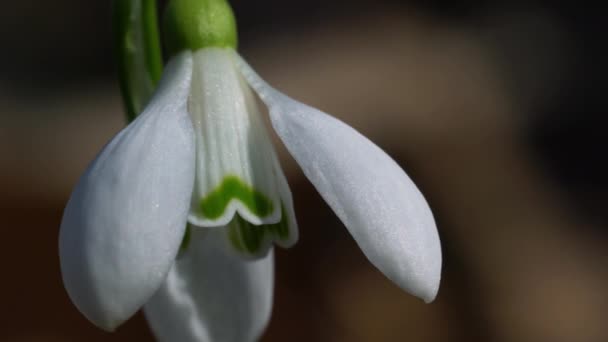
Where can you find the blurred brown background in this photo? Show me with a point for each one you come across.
(493, 108)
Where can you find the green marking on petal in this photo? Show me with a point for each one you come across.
(244, 236)
(214, 204)
(185, 241)
(281, 229)
(248, 238)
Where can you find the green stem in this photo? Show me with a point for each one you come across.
(137, 52)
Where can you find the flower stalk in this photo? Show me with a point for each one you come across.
(137, 51)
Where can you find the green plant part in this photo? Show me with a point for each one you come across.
(216, 202)
(137, 52)
(186, 240)
(196, 24)
(250, 239)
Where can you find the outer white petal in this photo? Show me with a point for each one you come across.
(125, 220)
(378, 203)
(212, 294)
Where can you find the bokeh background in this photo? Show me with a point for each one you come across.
(496, 109)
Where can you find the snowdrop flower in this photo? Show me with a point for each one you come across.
(179, 212)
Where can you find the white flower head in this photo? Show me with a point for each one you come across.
(196, 171)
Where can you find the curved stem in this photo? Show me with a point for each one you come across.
(137, 52)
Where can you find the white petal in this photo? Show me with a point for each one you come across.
(234, 169)
(378, 203)
(212, 294)
(125, 220)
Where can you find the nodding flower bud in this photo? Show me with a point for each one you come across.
(196, 24)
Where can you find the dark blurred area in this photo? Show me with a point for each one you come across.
(496, 109)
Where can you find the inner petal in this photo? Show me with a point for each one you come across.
(255, 241)
(234, 158)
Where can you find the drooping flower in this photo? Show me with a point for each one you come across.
(179, 212)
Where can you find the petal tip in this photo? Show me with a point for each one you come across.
(97, 312)
(430, 280)
(424, 289)
(108, 326)
(419, 276)
(430, 294)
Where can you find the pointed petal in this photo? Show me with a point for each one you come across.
(378, 203)
(234, 174)
(125, 220)
(212, 294)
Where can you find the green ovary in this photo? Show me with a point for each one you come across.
(214, 205)
(198, 24)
